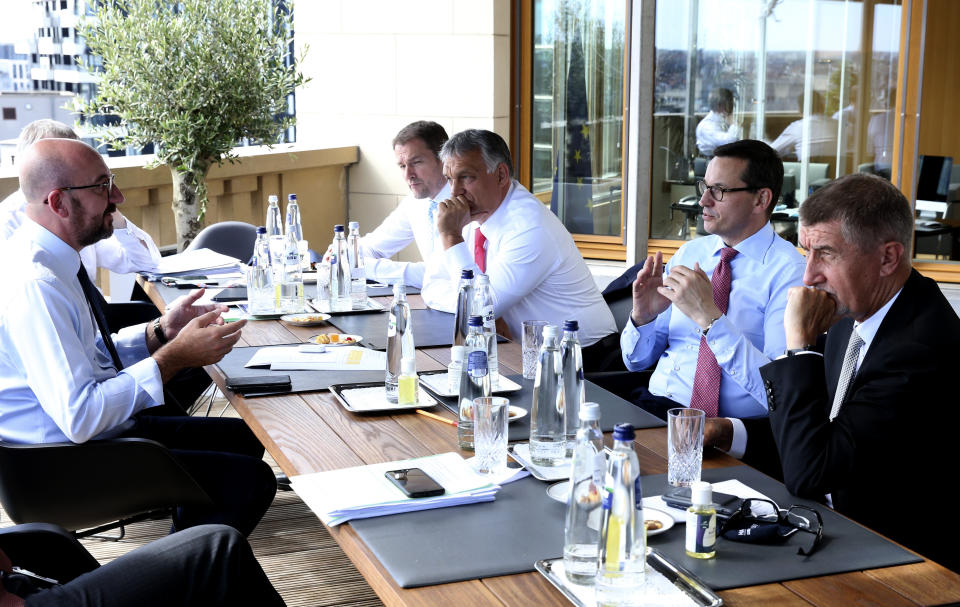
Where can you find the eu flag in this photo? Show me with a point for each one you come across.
(572, 195)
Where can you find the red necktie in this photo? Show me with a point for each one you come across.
(706, 382)
(479, 254)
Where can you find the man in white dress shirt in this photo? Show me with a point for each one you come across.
(129, 249)
(822, 139)
(492, 224)
(64, 377)
(417, 150)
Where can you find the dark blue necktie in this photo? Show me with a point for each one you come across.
(96, 301)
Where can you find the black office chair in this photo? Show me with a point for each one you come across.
(233, 238)
(46, 550)
(619, 297)
(94, 486)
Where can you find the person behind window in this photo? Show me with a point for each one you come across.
(823, 133)
(717, 128)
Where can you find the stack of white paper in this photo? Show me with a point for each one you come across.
(197, 261)
(344, 358)
(338, 496)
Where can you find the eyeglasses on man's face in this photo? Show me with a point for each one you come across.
(717, 192)
(106, 187)
(766, 515)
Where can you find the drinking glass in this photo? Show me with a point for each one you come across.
(531, 341)
(490, 420)
(684, 446)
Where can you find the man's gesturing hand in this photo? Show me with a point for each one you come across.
(647, 302)
(692, 293)
(203, 341)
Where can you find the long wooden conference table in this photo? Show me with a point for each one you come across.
(311, 432)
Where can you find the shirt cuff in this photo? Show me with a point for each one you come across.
(739, 444)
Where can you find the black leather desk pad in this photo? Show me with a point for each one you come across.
(523, 525)
(613, 409)
(301, 381)
(430, 328)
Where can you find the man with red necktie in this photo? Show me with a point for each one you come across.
(712, 316)
(492, 224)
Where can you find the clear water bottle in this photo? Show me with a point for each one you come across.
(571, 360)
(474, 380)
(581, 533)
(623, 536)
(548, 443)
(358, 277)
(293, 217)
(259, 277)
(340, 272)
(289, 291)
(275, 234)
(399, 339)
(483, 307)
(464, 305)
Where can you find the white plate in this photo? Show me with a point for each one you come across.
(657, 515)
(561, 491)
(356, 340)
(516, 413)
(305, 320)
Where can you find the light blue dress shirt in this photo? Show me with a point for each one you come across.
(57, 380)
(747, 337)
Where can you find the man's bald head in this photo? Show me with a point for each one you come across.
(49, 164)
(56, 176)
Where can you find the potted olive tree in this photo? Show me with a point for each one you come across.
(193, 77)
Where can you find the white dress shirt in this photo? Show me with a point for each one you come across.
(414, 219)
(823, 138)
(130, 249)
(535, 270)
(713, 131)
(57, 379)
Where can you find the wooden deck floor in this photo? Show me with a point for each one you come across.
(304, 563)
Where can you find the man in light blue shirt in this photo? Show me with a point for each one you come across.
(673, 306)
(63, 377)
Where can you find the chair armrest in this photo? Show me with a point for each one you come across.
(79, 486)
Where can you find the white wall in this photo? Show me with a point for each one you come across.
(378, 65)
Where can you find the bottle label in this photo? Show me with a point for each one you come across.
(599, 466)
(477, 363)
(607, 496)
(486, 312)
(392, 325)
(701, 532)
(637, 494)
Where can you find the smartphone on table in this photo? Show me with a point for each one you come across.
(679, 497)
(414, 482)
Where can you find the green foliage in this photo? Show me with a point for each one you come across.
(193, 76)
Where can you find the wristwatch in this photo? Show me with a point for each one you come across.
(158, 331)
(710, 326)
(802, 349)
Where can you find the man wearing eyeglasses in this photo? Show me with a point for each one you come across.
(871, 423)
(706, 356)
(63, 377)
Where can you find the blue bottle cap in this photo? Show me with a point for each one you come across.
(571, 325)
(261, 229)
(623, 432)
(475, 321)
(292, 197)
(466, 274)
(337, 228)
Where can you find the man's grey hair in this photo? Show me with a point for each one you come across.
(44, 128)
(492, 148)
(870, 209)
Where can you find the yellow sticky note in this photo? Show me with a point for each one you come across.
(354, 357)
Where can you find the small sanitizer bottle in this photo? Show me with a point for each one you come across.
(701, 522)
(408, 384)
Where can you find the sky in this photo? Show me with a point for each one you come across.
(14, 22)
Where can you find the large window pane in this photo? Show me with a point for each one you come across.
(577, 112)
(814, 78)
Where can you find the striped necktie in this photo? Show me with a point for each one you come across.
(706, 381)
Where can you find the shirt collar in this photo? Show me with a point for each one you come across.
(754, 246)
(868, 328)
(443, 194)
(64, 259)
(499, 216)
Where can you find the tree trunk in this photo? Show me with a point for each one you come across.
(186, 205)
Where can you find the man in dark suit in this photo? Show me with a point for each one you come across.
(869, 425)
